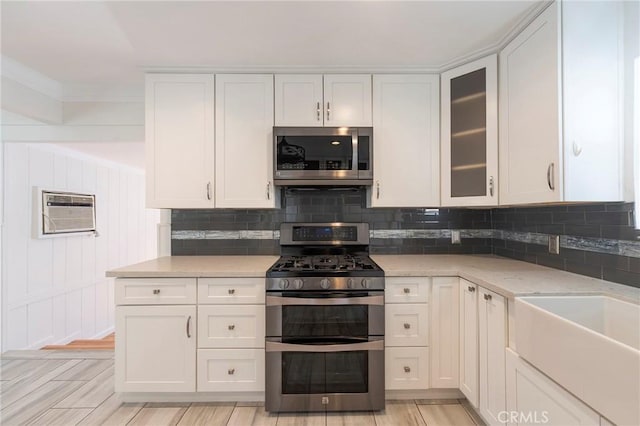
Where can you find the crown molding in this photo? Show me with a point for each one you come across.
(516, 29)
(293, 69)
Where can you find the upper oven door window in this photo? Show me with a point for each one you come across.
(316, 152)
(299, 316)
(325, 321)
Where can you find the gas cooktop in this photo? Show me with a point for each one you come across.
(324, 250)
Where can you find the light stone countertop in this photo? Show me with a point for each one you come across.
(510, 278)
(197, 266)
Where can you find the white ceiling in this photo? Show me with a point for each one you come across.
(104, 47)
(112, 42)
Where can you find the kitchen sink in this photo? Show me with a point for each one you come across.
(590, 345)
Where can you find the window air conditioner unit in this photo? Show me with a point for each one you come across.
(66, 213)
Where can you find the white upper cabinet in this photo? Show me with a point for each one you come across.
(406, 153)
(299, 100)
(469, 138)
(244, 142)
(317, 100)
(560, 107)
(179, 124)
(347, 100)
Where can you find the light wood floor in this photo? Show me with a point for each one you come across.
(107, 342)
(67, 387)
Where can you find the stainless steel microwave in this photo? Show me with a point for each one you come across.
(323, 156)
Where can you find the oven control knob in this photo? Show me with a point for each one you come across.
(365, 283)
(351, 283)
(325, 283)
(284, 284)
(298, 284)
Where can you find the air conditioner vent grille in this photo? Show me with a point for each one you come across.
(67, 212)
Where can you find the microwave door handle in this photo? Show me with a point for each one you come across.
(377, 345)
(354, 156)
(300, 301)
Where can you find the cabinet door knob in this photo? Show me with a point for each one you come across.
(491, 186)
(231, 326)
(551, 176)
(377, 189)
(407, 369)
(189, 327)
(268, 190)
(232, 290)
(208, 190)
(407, 325)
(487, 297)
(318, 111)
(231, 371)
(407, 290)
(156, 291)
(471, 289)
(328, 111)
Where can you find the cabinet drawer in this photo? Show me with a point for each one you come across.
(231, 290)
(406, 368)
(155, 291)
(230, 370)
(406, 325)
(407, 289)
(236, 326)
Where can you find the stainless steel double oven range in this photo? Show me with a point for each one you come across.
(324, 321)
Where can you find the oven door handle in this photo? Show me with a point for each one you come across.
(289, 301)
(377, 345)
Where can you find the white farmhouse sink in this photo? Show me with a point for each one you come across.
(590, 345)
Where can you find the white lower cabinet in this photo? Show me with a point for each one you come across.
(406, 325)
(406, 333)
(406, 368)
(155, 348)
(230, 335)
(469, 341)
(492, 341)
(444, 332)
(483, 339)
(160, 340)
(231, 370)
(533, 398)
(232, 326)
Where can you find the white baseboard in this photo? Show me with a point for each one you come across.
(191, 396)
(424, 394)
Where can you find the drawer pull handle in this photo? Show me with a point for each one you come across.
(232, 291)
(231, 371)
(189, 327)
(407, 290)
(407, 325)
(156, 291)
(487, 297)
(231, 326)
(471, 289)
(407, 369)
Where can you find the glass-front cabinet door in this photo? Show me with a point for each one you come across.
(470, 134)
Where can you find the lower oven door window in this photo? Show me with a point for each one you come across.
(331, 372)
(333, 375)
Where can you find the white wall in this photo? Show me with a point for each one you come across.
(55, 290)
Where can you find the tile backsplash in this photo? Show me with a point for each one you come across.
(597, 240)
